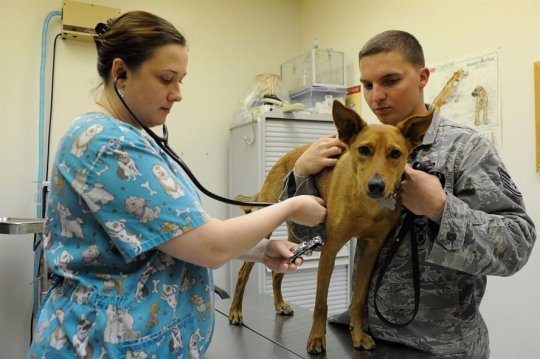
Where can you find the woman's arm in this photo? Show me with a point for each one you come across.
(218, 241)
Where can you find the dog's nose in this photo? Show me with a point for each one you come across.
(376, 187)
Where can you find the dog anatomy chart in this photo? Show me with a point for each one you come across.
(467, 91)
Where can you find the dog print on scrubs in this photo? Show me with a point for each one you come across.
(194, 340)
(90, 255)
(110, 284)
(117, 229)
(58, 336)
(176, 341)
(84, 139)
(70, 227)
(187, 281)
(140, 208)
(201, 306)
(126, 166)
(168, 183)
(62, 263)
(97, 194)
(142, 289)
(168, 293)
(112, 327)
(81, 294)
(153, 317)
(80, 339)
(120, 297)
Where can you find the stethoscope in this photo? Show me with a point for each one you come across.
(163, 143)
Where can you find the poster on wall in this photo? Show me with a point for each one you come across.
(467, 91)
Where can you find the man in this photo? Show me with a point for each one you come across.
(473, 227)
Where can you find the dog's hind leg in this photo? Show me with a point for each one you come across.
(235, 312)
(282, 307)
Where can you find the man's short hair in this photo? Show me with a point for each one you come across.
(392, 40)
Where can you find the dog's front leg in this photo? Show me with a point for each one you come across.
(364, 269)
(477, 113)
(317, 337)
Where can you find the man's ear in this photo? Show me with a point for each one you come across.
(424, 77)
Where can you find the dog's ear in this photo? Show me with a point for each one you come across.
(348, 122)
(414, 128)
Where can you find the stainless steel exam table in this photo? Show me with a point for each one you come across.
(266, 335)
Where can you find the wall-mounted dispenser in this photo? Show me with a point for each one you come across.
(79, 19)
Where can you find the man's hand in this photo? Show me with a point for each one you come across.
(322, 153)
(422, 193)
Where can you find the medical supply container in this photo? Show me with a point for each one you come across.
(318, 99)
(317, 67)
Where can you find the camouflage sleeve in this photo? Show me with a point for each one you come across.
(297, 185)
(484, 228)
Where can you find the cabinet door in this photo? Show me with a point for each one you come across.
(300, 286)
(283, 135)
(254, 150)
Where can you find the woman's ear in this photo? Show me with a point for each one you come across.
(118, 69)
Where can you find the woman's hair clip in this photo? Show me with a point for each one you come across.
(101, 28)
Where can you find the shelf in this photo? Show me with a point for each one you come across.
(21, 225)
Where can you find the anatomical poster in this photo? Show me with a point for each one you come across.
(467, 91)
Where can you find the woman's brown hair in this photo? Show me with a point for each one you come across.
(132, 37)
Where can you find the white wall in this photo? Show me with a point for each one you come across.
(230, 42)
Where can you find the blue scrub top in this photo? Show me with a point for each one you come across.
(115, 196)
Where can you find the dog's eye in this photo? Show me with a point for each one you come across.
(394, 154)
(364, 150)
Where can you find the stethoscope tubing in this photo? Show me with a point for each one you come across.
(163, 143)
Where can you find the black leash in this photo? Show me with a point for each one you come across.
(407, 226)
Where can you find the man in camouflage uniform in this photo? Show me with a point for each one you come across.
(473, 227)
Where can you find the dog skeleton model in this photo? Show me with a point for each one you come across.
(448, 89)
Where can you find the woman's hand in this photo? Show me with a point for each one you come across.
(276, 255)
(307, 210)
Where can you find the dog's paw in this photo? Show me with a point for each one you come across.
(363, 341)
(284, 309)
(316, 345)
(235, 317)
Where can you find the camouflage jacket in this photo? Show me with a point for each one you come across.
(484, 230)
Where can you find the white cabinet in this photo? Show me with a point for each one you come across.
(255, 145)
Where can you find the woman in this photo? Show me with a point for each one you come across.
(126, 236)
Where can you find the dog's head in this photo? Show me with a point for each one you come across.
(377, 152)
(477, 91)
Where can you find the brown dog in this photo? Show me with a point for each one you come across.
(366, 176)
(481, 105)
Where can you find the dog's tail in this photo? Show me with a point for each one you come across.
(241, 197)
